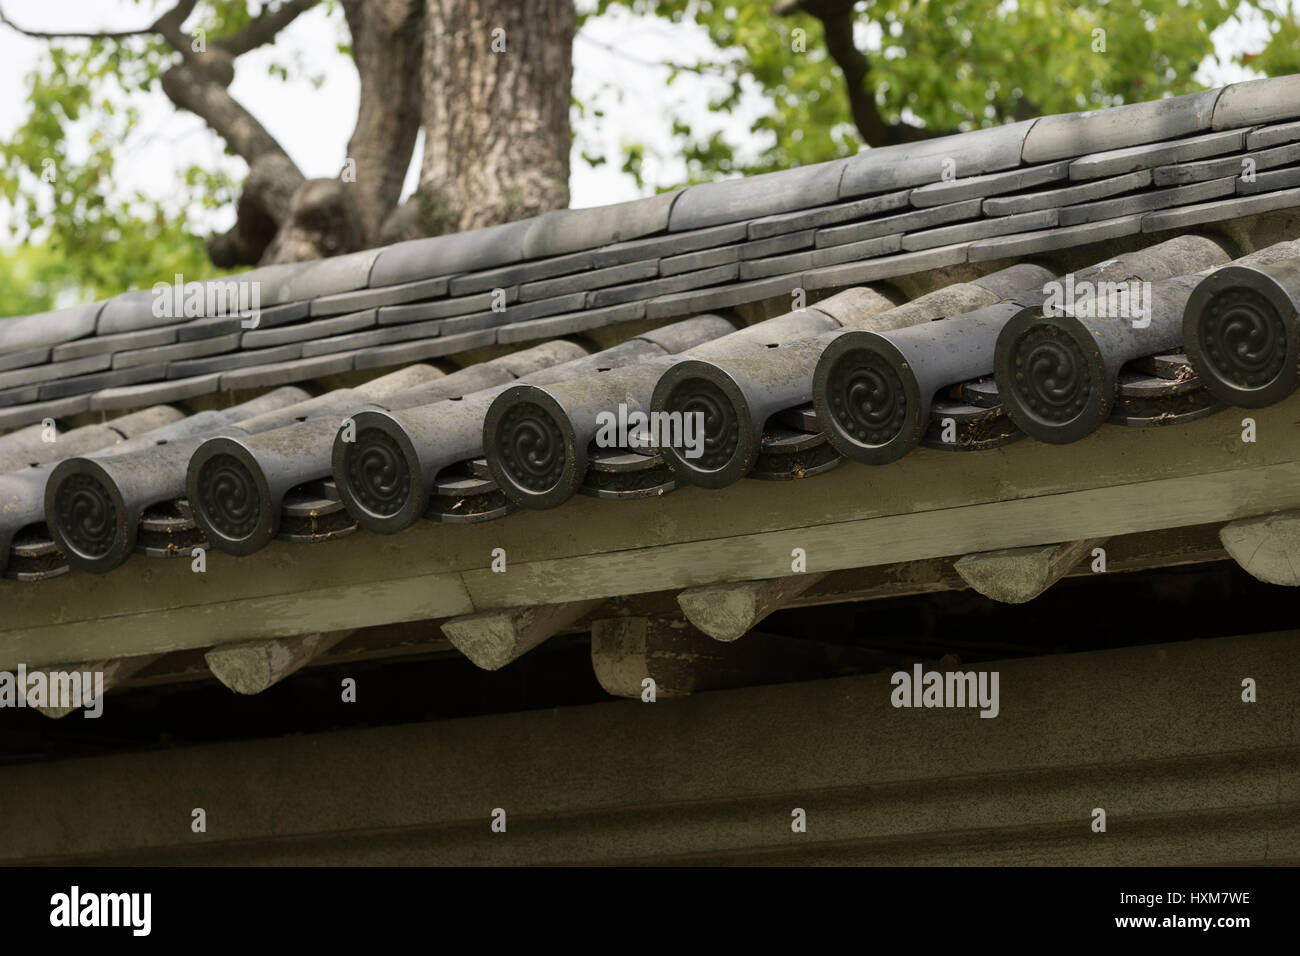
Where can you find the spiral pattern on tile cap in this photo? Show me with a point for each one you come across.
(85, 514)
(866, 399)
(229, 501)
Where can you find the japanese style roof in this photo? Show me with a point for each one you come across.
(852, 310)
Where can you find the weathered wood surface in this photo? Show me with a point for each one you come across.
(1267, 547)
(1017, 575)
(727, 612)
(493, 639)
(250, 667)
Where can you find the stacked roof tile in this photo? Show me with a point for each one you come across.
(847, 370)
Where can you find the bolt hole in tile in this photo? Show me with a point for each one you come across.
(456, 398)
(773, 345)
(301, 418)
(603, 369)
(161, 441)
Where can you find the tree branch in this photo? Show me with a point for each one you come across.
(176, 15)
(264, 28)
(837, 17)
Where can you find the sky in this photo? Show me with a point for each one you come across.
(615, 70)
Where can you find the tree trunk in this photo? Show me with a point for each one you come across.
(496, 83)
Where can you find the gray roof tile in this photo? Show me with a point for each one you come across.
(1031, 243)
(1067, 195)
(351, 302)
(934, 160)
(571, 230)
(1266, 182)
(707, 300)
(451, 254)
(48, 328)
(1227, 166)
(907, 263)
(906, 222)
(1186, 216)
(339, 324)
(424, 349)
(133, 396)
(39, 411)
(1276, 135)
(173, 353)
(102, 344)
(1127, 160)
(1069, 134)
(980, 229)
(36, 356)
(594, 279)
(731, 200)
(1146, 201)
(285, 373)
(43, 373)
(990, 184)
(569, 324)
(514, 275)
(1258, 101)
(704, 259)
(618, 295)
(84, 384)
(828, 215)
(444, 308)
(188, 368)
(656, 247)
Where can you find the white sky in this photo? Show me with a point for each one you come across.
(615, 70)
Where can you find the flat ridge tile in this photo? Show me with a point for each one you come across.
(36, 356)
(20, 394)
(619, 295)
(322, 328)
(1227, 166)
(1276, 135)
(887, 267)
(161, 355)
(406, 352)
(1132, 124)
(209, 328)
(274, 317)
(59, 408)
(285, 373)
(698, 301)
(912, 221)
(749, 197)
(657, 247)
(980, 229)
(445, 308)
(1117, 161)
(121, 342)
(384, 335)
(1046, 240)
(1253, 102)
(44, 373)
(1146, 202)
(361, 299)
(780, 265)
(1184, 216)
(1269, 181)
(1067, 195)
(188, 368)
(84, 384)
(568, 324)
(154, 393)
(821, 216)
(323, 277)
(704, 259)
(585, 281)
(990, 184)
(520, 273)
(928, 161)
(778, 245)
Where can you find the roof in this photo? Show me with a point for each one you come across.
(342, 408)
